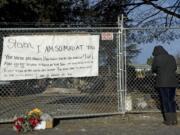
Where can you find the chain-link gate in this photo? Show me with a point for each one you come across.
(141, 93)
(69, 97)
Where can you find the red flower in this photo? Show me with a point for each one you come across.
(17, 127)
(20, 119)
(33, 121)
(27, 122)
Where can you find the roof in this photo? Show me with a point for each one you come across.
(141, 66)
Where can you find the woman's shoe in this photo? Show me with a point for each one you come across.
(168, 123)
(174, 122)
(173, 118)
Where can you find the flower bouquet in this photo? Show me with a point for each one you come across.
(28, 122)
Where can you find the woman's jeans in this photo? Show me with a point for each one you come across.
(167, 98)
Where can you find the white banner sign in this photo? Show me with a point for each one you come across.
(49, 56)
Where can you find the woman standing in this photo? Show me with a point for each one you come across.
(164, 65)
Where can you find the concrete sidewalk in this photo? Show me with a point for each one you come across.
(131, 124)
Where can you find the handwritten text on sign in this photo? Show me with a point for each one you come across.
(49, 56)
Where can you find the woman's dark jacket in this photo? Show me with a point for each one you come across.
(164, 65)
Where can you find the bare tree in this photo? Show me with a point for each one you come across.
(162, 12)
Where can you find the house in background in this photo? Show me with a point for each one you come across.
(178, 69)
(141, 70)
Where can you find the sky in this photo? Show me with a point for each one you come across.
(147, 49)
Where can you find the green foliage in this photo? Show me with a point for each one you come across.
(132, 52)
(149, 60)
(107, 12)
(3, 2)
(45, 11)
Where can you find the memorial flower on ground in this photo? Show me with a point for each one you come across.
(28, 121)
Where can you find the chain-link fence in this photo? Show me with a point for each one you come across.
(141, 93)
(68, 97)
(124, 84)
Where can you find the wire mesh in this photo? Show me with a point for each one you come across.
(89, 96)
(142, 96)
(64, 97)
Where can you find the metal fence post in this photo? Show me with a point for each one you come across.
(120, 67)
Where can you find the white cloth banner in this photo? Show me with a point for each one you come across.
(49, 56)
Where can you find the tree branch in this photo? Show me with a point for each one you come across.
(134, 7)
(167, 16)
(173, 16)
(162, 9)
(148, 17)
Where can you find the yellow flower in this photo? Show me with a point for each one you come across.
(29, 113)
(35, 111)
